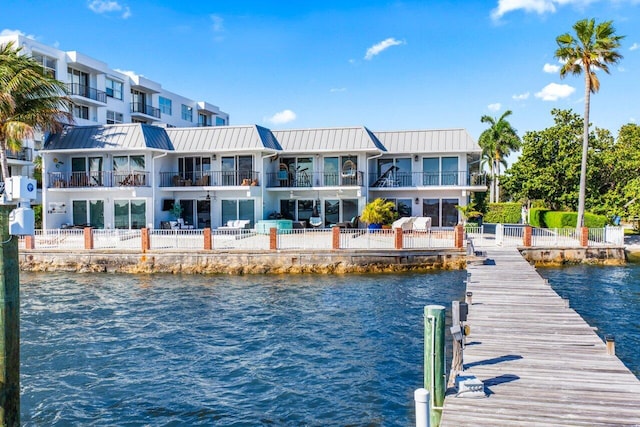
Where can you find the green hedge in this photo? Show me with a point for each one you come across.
(569, 220)
(504, 213)
(536, 217)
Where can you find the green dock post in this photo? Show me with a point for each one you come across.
(434, 369)
(9, 324)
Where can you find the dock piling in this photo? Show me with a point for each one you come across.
(611, 345)
(434, 365)
(421, 398)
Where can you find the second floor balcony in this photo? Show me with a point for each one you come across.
(395, 179)
(302, 178)
(209, 179)
(148, 110)
(25, 154)
(98, 179)
(88, 92)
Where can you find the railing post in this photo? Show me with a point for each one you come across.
(88, 238)
(29, 242)
(273, 238)
(611, 345)
(335, 237)
(458, 236)
(146, 242)
(434, 364)
(526, 236)
(584, 236)
(397, 233)
(207, 239)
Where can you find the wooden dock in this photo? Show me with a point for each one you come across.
(540, 362)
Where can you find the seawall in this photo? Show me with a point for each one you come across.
(560, 256)
(255, 262)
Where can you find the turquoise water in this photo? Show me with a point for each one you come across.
(608, 298)
(104, 350)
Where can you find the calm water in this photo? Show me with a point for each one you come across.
(607, 298)
(102, 350)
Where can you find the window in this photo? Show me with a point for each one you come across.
(48, 64)
(165, 105)
(238, 209)
(236, 169)
(445, 209)
(187, 113)
(114, 88)
(394, 172)
(220, 121)
(81, 112)
(403, 206)
(114, 117)
(440, 171)
(129, 214)
(204, 119)
(88, 212)
(196, 169)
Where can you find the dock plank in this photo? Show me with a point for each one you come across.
(541, 363)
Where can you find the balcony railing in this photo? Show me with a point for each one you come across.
(427, 179)
(285, 179)
(25, 154)
(139, 107)
(87, 92)
(98, 179)
(210, 178)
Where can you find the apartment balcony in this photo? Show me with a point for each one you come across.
(144, 110)
(25, 154)
(97, 179)
(87, 94)
(285, 179)
(209, 179)
(394, 179)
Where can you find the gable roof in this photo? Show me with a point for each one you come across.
(347, 139)
(131, 136)
(429, 141)
(223, 138)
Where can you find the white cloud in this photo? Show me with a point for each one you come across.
(338, 89)
(129, 73)
(551, 68)
(521, 97)
(537, 6)
(634, 46)
(554, 91)
(109, 6)
(379, 47)
(8, 32)
(284, 116)
(494, 107)
(217, 23)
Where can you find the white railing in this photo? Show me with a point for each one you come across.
(115, 239)
(306, 238)
(176, 239)
(59, 239)
(237, 239)
(549, 237)
(434, 238)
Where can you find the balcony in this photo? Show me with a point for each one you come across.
(24, 154)
(147, 110)
(87, 92)
(98, 179)
(396, 179)
(286, 179)
(210, 178)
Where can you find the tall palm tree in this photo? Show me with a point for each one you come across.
(593, 48)
(29, 100)
(497, 142)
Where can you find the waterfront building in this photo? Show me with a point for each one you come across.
(103, 95)
(131, 175)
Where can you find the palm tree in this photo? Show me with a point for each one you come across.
(29, 100)
(497, 142)
(593, 48)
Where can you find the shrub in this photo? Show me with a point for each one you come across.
(570, 219)
(536, 217)
(504, 213)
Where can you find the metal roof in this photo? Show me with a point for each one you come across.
(222, 138)
(132, 136)
(429, 141)
(347, 139)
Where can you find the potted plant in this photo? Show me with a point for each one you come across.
(378, 212)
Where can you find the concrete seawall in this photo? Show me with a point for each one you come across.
(256, 262)
(293, 261)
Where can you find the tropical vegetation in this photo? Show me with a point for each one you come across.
(379, 211)
(30, 99)
(594, 47)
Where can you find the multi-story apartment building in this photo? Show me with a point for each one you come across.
(130, 175)
(102, 95)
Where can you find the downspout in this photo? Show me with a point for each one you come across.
(153, 185)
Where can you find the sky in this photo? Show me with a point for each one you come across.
(386, 65)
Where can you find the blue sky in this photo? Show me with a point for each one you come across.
(388, 65)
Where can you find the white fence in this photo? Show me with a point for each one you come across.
(309, 239)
